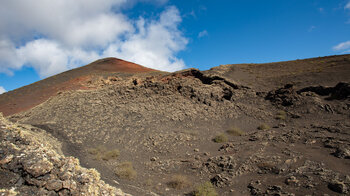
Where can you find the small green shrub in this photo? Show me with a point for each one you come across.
(125, 170)
(206, 189)
(179, 182)
(264, 127)
(220, 138)
(235, 131)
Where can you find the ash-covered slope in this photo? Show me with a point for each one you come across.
(80, 78)
(248, 129)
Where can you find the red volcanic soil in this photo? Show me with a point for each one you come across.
(34, 94)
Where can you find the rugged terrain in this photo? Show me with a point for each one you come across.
(248, 129)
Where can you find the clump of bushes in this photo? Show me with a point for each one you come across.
(281, 115)
(125, 170)
(235, 131)
(264, 127)
(179, 182)
(220, 138)
(101, 153)
(205, 189)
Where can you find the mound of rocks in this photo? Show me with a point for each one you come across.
(285, 96)
(31, 164)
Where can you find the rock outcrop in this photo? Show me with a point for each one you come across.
(31, 163)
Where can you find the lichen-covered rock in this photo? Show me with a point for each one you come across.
(55, 185)
(37, 167)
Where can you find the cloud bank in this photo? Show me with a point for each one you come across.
(344, 47)
(54, 36)
(347, 6)
(2, 90)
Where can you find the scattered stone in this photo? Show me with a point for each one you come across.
(154, 158)
(292, 180)
(254, 188)
(342, 152)
(6, 160)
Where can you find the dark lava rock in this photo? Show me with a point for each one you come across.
(285, 96)
(341, 91)
(338, 187)
(342, 152)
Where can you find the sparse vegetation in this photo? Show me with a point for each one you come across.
(101, 153)
(235, 131)
(148, 182)
(179, 182)
(112, 154)
(264, 127)
(96, 150)
(206, 189)
(189, 132)
(220, 138)
(281, 115)
(125, 170)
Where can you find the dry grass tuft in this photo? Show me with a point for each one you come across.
(235, 131)
(264, 127)
(112, 154)
(221, 138)
(179, 182)
(206, 189)
(281, 115)
(125, 170)
(101, 153)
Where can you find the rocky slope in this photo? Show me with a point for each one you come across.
(32, 163)
(253, 129)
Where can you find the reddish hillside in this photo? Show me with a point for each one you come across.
(29, 96)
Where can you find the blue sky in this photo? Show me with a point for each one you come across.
(168, 35)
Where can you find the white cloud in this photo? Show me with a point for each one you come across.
(347, 6)
(49, 57)
(342, 46)
(155, 43)
(203, 34)
(8, 57)
(2, 90)
(53, 36)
